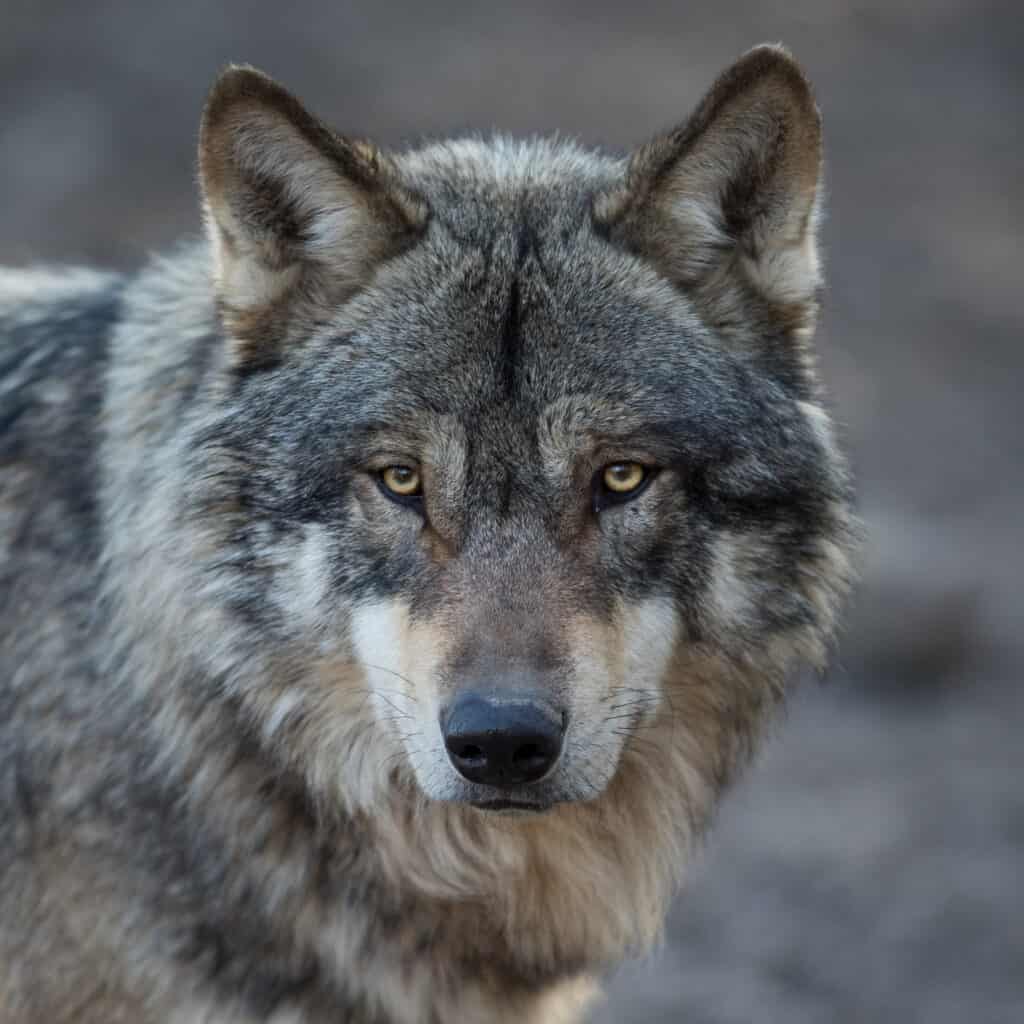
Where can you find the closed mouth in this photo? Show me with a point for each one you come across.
(509, 805)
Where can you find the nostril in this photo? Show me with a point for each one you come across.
(469, 752)
(529, 754)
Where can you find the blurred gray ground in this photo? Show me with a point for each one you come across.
(870, 867)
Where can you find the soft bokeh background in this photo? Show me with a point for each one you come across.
(871, 865)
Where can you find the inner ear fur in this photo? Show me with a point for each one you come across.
(292, 208)
(731, 198)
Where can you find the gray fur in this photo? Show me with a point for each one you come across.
(224, 648)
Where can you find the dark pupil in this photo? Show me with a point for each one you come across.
(622, 473)
(402, 475)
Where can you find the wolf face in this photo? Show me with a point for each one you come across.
(514, 469)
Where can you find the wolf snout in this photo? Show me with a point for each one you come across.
(501, 741)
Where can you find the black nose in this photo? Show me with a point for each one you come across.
(502, 742)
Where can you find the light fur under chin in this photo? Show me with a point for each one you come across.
(588, 881)
(584, 882)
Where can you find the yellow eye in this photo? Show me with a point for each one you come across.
(402, 481)
(623, 477)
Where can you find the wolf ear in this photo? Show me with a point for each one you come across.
(293, 210)
(732, 196)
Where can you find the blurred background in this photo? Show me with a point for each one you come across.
(871, 865)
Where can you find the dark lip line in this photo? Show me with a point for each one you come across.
(507, 805)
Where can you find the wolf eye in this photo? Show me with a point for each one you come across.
(401, 482)
(623, 477)
(619, 482)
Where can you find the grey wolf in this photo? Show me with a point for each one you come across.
(393, 581)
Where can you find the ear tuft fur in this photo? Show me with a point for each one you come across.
(732, 195)
(291, 207)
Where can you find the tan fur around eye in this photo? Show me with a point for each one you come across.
(623, 477)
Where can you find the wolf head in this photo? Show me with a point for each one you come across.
(483, 476)
(518, 470)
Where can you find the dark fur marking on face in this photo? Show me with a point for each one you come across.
(512, 325)
(510, 340)
(531, 247)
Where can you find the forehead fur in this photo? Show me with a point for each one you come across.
(503, 166)
(511, 298)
